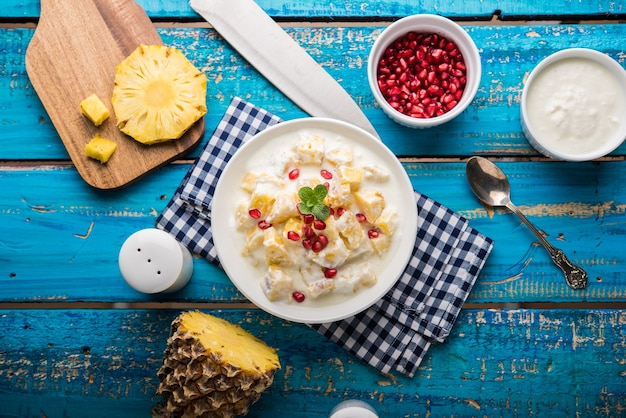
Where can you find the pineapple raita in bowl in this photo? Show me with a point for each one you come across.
(314, 220)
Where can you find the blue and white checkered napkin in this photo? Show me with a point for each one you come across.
(397, 331)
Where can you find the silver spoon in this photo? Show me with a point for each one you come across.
(491, 186)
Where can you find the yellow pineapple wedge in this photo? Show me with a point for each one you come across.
(93, 108)
(158, 94)
(100, 148)
(213, 368)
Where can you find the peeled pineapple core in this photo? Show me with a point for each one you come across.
(93, 108)
(213, 368)
(100, 148)
(158, 94)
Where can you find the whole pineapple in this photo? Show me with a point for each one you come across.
(213, 368)
(158, 94)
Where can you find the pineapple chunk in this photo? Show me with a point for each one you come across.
(310, 148)
(352, 176)
(355, 277)
(387, 221)
(93, 108)
(381, 243)
(276, 284)
(264, 194)
(317, 284)
(254, 239)
(350, 230)
(100, 148)
(284, 207)
(204, 353)
(158, 94)
(338, 155)
(371, 203)
(292, 225)
(249, 181)
(275, 251)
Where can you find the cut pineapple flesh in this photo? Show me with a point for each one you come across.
(93, 108)
(158, 94)
(100, 148)
(213, 368)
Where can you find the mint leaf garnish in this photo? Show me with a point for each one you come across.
(312, 201)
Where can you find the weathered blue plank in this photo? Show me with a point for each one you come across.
(76, 232)
(173, 9)
(495, 363)
(489, 126)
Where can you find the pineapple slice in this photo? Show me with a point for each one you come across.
(158, 94)
(213, 368)
(100, 148)
(93, 108)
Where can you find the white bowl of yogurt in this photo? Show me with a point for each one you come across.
(574, 105)
(288, 261)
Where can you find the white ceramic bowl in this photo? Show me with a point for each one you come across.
(574, 105)
(426, 23)
(229, 242)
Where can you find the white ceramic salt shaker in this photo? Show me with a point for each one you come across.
(153, 261)
(353, 408)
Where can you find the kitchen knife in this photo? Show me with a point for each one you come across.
(267, 47)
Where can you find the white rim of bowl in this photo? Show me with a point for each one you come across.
(427, 23)
(585, 53)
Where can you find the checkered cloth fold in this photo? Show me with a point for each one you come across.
(397, 331)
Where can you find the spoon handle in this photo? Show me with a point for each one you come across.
(575, 276)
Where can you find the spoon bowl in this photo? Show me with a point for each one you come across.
(492, 187)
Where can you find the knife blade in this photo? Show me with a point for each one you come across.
(280, 59)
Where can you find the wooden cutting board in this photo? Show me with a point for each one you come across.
(73, 53)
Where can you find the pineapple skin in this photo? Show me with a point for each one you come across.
(199, 380)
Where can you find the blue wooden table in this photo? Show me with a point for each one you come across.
(76, 341)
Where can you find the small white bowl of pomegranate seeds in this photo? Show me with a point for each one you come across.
(424, 70)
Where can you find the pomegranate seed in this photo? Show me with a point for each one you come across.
(254, 213)
(323, 240)
(307, 244)
(308, 232)
(373, 233)
(294, 174)
(264, 224)
(308, 218)
(340, 211)
(326, 174)
(422, 68)
(298, 296)
(293, 235)
(317, 247)
(361, 218)
(327, 185)
(329, 273)
(319, 225)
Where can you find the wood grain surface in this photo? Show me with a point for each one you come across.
(73, 54)
(516, 363)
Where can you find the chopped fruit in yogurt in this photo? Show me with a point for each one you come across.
(315, 219)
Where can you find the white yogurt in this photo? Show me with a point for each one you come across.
(574, 106)
(271, 159)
